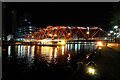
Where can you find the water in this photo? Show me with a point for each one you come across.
(43, 62)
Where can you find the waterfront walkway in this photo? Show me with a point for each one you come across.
(108, 65)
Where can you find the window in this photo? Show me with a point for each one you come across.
(25, 19)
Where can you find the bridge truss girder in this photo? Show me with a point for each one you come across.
(66, 32)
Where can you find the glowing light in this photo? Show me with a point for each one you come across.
(32, 36)
(55, 35)
(118, 36)
(49, 52)
(114, 33)
(108, 34)
(99, 44)
(63, 42)
(9, 50)
(38, 43)
(88, 32)
(91, 71)
(99, 47)
(68, 33)
(111, 31)
(69, 57)
(115, 27)
(17, 43)
(105, 38)
(32, 50)
(63, 50)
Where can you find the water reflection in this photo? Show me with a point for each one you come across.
(9, 50)
(50, 53)
(60, 60)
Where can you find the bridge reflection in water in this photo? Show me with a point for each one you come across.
(45, 60)
(50, 53)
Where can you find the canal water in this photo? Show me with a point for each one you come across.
(33, 62)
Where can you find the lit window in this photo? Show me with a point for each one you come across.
(30, 26)
(19, 29)
(25, 19)
(29, 22)
(30, 29)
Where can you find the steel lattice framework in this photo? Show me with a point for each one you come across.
(66, 32)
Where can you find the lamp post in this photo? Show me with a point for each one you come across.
(109, 37)
(115, 27)
(111, 34)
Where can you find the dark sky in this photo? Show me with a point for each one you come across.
(75, 14)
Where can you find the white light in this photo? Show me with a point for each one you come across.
(108, 34)
(63, 42)
(118, 36)
(25, 19)
(30, 26)
(99, 43)
(115, 27)
(111, 31)
(99, 47)
(91, 71)
(114, 33)
(68, 33)
(29, 22)
(105, 38)
(30, 29)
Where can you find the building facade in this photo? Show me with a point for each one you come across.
(25, 27)
(22, 31)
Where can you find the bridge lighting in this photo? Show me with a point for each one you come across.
(111, 31)
(55, 35)
(105, 38)
(63, 42)
(99, 47)
(50, 34)
(91, 71)
(99, 44)
(115, 27)
(32, 36)
(38, 43)
(68, 33)
(87, 32)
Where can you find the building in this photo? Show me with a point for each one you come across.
(9, 37)
(22, 31)
(3, 23)
(14, 22)
(118, 34)
(25, 27)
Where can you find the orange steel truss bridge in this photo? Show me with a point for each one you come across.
(68, 33)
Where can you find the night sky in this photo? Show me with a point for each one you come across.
(72, 14)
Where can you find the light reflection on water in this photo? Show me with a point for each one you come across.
(50, 53)
(54, 60)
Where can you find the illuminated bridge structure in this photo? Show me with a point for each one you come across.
(68, 33)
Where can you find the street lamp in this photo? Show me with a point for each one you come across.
(110, 34)
(111, 31)
(115, 27)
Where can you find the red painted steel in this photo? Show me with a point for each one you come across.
(66, 32)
